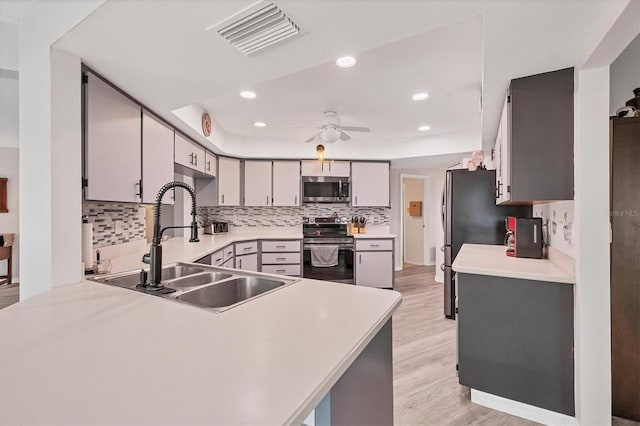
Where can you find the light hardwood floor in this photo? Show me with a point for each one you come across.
(426, 388)
(8, 294)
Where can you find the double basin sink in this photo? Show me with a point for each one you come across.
(209, 287)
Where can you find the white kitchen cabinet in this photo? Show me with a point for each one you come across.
(501, 157)
(257, 183)
(189, 154)
(157, 158)
(326, 168)
(374, 269)
(112, 144)
(369, 184)
(228, 181)
(210, 163)
(248, 262)
(286, 183)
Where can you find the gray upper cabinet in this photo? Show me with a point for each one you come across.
(113, 125)
(157, 158)
(538, 139)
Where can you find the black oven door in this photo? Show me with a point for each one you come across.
(341, 273)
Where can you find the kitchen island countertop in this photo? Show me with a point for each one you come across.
(492, 260)
(90, 353)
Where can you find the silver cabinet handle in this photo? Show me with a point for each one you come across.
(191, 158)
(356, 200)
(218, 260)
(374, 245)
(222, 198)
(230, 253)
(281, 258)
(247, 248)
(442, 267)
(267, 200)
(195, 160)
(209, 165)
(281, 270)
(322, 164)
(173, 194)
(280, 246)
(360, 259)
(137, 189)
(498, 191)
(240, 260)
(295, 200)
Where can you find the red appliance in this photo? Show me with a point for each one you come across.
(524, 237)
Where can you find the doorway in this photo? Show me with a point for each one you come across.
(415, 244)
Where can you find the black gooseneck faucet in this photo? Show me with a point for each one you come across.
(154, 257)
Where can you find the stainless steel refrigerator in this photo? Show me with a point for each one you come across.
(470, 215)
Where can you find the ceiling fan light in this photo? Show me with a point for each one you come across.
(330, 135)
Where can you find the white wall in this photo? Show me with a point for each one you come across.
(48, 178)
(624, 76)
(413, 232)
(433, 213)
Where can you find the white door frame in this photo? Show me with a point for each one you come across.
(426, 208)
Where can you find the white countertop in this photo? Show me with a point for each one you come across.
(492, 260)
(90, 353)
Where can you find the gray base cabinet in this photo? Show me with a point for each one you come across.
(515, 340)
(373, 263)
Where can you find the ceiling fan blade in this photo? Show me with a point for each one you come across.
(311, 139)
(344, 136)
(355, 128)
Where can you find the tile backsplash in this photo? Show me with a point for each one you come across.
(104, 215)
(290, 216)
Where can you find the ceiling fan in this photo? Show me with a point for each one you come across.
(331, 130)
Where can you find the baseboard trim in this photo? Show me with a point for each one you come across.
(519, 409)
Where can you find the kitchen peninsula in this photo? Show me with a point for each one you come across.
(147, 360)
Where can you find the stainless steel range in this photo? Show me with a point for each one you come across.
(328, 250)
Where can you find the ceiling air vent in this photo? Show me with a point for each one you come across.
(260, 25)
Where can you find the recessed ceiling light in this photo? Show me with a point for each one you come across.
(420, 96)
(260, 124)
(346, 62)
(424, 128)
(247, 94)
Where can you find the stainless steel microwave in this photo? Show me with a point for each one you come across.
(324, 189)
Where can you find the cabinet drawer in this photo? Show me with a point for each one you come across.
(282, 269)
(217, 258)
(280, 258)
(229, 263)
(246, 248)
(228, 252)
(280, 246)
(374, 245)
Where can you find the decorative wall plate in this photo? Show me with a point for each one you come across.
(206, 124)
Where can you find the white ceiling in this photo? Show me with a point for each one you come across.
(160, 53)
(12, 10)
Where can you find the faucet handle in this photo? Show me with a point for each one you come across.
(146, 258)
(143, 277)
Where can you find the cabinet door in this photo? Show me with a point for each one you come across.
(374, 269)
(112, 144)
(257, 183)
(337, 168)
(286, 183)
(210, 163)
(369, 184)
(505, 147)
(228, 181)
(189, 154)
(157, 158)
(312, 168)
(248, 262)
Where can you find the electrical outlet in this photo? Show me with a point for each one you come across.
(117, 226)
